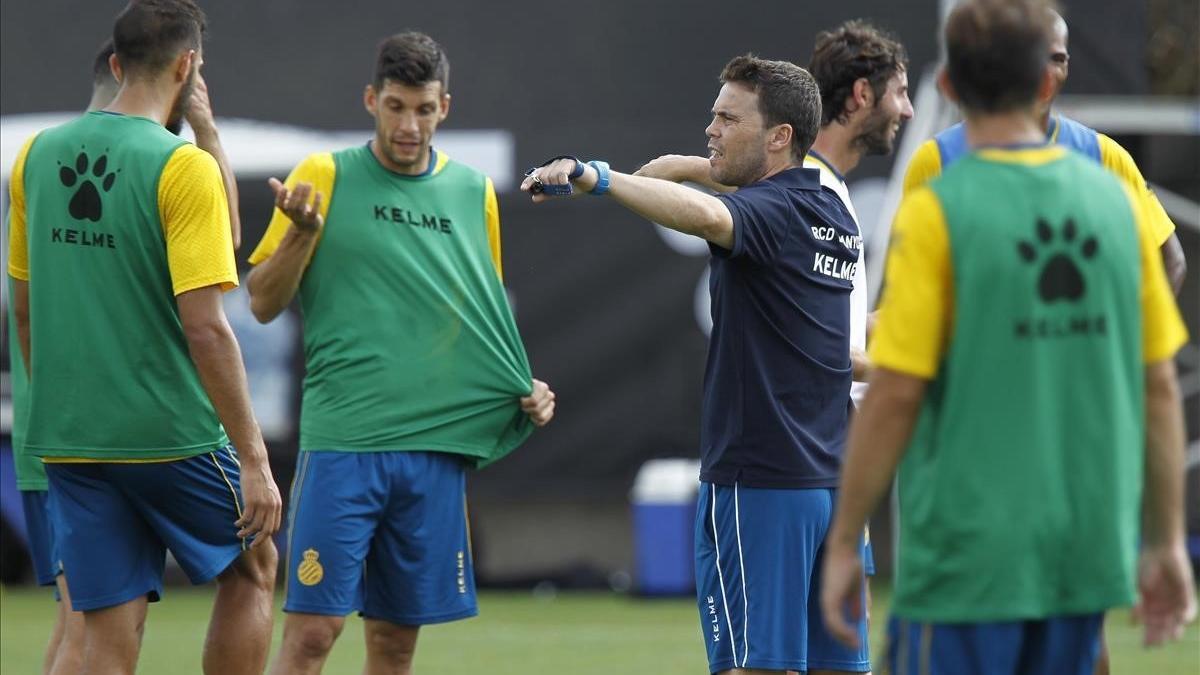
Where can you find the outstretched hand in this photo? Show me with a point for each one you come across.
(295, 204)
(558, 172)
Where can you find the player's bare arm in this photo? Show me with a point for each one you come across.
(1166, 595)
(1174, 262)
(218, 360)
(670, 205)
(879, 433)
(273, 282)
(860, 364)
(683, 168)
(860, 360)
(539, 404)
(199, 116)
(20, 300)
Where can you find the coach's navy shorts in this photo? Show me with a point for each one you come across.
(39, 523)
(1064, 645)
(381, 533)
(758, 569)
(117, 521)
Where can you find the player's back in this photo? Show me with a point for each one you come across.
(1036, 410)
(111, 368)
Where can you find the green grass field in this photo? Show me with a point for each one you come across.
(577, 633)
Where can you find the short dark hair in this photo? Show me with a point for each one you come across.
(149, 34)
(412, 58)
(996, 52)
(853, 51)
(101, 72)
(787, 94)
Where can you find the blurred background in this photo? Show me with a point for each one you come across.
(612, 310)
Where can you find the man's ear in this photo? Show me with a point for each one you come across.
(183, 65)
(862, 96)
(781, 138)
(370, 99)
(1046, 87)
(114, 65)
(944, 86)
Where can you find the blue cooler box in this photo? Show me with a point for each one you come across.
(664, 517)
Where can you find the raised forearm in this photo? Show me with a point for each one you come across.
(1162, 498)
(209, 141)
(272, 283)
(879, 435)
(681, 168)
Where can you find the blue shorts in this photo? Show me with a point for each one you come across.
(758, 575)
(1064, 645)
(117, 521)
(381, 533)
(39, 523)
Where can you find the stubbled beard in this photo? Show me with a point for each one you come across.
(386, 147)
(175, 117)
(876, 137)
(743, 173)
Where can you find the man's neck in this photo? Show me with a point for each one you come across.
(96, 104)
(778, 164)
(1010, 128)
(835, 143)
(419, 168)
(1045, 121)
(143, 99)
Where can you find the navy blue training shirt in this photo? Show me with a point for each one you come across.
(778, 373)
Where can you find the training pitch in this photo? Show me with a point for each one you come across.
(516, 632)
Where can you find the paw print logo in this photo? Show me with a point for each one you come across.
(86, 203)
(1060, 278)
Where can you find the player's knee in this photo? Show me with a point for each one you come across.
(313, 636)
(263, 563)
(392, 643)
(256, 569)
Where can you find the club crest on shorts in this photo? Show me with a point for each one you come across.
(310, 572)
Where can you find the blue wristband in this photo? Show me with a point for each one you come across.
(602, 174)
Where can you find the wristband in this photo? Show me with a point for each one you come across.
(602, 176)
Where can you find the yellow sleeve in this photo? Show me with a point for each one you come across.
(195, 222)
(915, 316)
(925, 165)
(491, 210)
(18, 243)
(318, 170)
(1163, 332)
(1118, 160)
